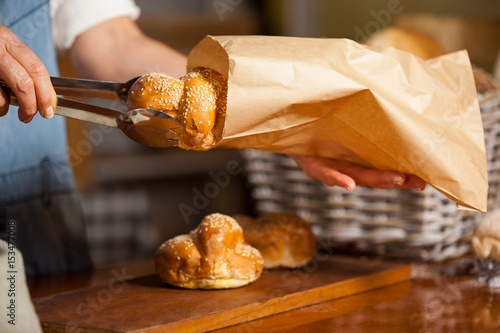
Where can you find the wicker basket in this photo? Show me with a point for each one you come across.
(403, 224)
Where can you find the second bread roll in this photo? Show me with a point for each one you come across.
(283, 239)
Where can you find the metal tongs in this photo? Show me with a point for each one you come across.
(146, 126)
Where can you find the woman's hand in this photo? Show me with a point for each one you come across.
(348, 175)
(28, 78)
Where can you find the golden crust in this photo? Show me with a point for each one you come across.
(198, 100)
(156, 91)
(283, 239)
(212, 256)
(202, 108)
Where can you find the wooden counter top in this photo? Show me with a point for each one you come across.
(429, 302)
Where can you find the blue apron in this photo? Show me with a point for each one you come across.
(37, 191)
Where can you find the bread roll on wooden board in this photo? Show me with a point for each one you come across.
(283, 239)
(212, 256)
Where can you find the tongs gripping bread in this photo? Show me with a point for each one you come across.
(197, 100)
(188, 112)
(146, 126)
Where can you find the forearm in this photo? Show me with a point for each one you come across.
(117, 50)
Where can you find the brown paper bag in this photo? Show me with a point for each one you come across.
(385, 109)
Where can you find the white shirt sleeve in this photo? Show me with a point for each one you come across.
(72, 17)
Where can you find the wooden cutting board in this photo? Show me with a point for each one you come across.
(145, 304)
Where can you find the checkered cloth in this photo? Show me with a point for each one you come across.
(119, 226)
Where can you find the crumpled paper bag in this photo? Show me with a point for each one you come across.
(335, 98)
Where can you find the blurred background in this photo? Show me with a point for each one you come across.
(136, 197)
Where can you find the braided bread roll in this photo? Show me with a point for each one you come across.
(197, 100)
(212, 256)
